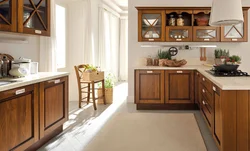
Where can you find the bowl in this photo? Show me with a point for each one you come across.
(150, 22)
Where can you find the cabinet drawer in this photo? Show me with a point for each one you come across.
(208, 84)
(206, 111)
(207, 96)
(16, 91)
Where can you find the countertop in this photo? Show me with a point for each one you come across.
(31, 79)
(224, 83)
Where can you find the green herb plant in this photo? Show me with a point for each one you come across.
(109, 81)
(164, 54)
(218, 53)
(235, 58)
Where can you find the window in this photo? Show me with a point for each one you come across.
(60, 36)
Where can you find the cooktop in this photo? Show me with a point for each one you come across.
(235, 73)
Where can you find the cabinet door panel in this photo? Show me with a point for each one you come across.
(179, 86)
(149, 86)
(53, 105)
(217, 118)
(19, 120)
(8, 15)
(34, 16)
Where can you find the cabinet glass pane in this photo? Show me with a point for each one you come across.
(236, 31)
(206, 34)
(178, 33)
(34, 14)
(151, 25)
(5, 12)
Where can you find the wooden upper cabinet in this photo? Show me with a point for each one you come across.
(179, 86)
(202, 32)
(8, 15)
(149, 86)
(34, 17)
(237, 32)
(151, 25)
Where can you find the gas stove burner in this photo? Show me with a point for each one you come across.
(235, 73)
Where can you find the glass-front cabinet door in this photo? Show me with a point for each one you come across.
(34, 17)
(236, 32)
(8, 15)
(179, 34)
(202, 32)
(151, 25)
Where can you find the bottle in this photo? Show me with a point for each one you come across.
(1, 70)
(180, 21)
(6, 66)
(171, 21)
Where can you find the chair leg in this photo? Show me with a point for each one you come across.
(88, 94)
(80, 99)
(93, 94)
(103, 92)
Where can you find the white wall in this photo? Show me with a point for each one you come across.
(28, 50)
(136, 54)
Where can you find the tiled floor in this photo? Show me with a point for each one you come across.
(84, 123)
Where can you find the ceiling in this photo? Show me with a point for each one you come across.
(121, 3)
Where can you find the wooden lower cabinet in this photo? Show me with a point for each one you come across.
(19, 118)
(197, 88)
(149, 86)
(53, 105)
(179, 86)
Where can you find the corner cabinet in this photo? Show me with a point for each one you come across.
(19, 118)
(53, 104)
(8, 16)
(186, 24)
(237, 32)
(149, 86)
(151, 25)
(179, 86)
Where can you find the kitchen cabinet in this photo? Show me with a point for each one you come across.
(151, 25)
(53, 104)
(34, 17)
(186, 24)
(202, 32)
(179, 86)
(237, 32)
(19, 118)
(149, 86)
(8, 16)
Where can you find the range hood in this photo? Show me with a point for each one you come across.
(226, 12)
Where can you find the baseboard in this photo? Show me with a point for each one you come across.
(130, 99)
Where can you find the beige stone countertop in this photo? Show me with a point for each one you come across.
(225, 83)
(31, 79)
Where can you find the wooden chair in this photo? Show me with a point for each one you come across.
(90, 88)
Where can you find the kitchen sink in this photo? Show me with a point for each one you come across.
(5, 82)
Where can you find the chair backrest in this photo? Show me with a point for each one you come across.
(79, 70)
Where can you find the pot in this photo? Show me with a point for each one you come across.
(226, 67)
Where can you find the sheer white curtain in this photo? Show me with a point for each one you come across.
(108, 41)
(47, 61)
(123, 61)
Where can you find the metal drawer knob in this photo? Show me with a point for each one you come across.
(214, 88)
(20, 91)
(203, 91)
(203, 79)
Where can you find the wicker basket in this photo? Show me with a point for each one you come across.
(108, 95)
(92, 76)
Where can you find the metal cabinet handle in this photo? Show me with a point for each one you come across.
(203, 91)
(214, 88)
(179, 71)
(20, 91)
(149, 71)
(204, 103)
(197, 73)
(55, 81)
(203, 79)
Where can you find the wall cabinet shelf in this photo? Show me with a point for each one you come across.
(187, 24)
(25, 16)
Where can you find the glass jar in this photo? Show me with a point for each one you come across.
(171, 21)
(180, 21)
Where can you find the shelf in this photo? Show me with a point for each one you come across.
(12, 40)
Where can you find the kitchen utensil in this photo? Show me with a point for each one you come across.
(226, 67)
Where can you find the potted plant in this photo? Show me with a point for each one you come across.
(220, 53)
(109, 82)
(163, 56)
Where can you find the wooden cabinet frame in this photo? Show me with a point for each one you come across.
(12, 25)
